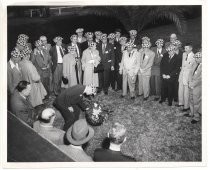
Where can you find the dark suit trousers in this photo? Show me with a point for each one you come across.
(104, 80)
(57, 78)
(168, 90)
(69, 117)
(113, 79)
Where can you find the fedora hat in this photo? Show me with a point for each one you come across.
(79, 133)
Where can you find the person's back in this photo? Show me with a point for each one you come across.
(107, 155)
(117, 137)
(51, 133)
(75, 153)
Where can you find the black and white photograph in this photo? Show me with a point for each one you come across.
(104, 83)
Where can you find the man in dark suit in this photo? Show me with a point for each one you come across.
(98, 37)
(20, 105)
(117, 137)
(89, 37)
(133, 39)
(169, 70)
(57, 52)
(106, 52)
(70, 102)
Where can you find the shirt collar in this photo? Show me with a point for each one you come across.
(76, 147)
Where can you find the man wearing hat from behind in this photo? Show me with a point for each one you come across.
(77, 135)
(70, 103)
(117, 136)
(57, 52)
(80, 37)
(106, 52)
(44, 126)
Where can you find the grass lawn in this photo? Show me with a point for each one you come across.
(155, 132)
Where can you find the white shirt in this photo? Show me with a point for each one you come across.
(14, 65)
(60, 58)
(159, 50)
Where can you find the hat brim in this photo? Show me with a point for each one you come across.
(76, 142)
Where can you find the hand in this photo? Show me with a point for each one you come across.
(112, 68)
(164, 76)
(71, 109)
(91, 62)
(120, 72)
(87, 108)
(168, 77)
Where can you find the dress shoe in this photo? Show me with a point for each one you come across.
(187, 115)
(161, 101)
(156, 98)
(139, 95)
(98, 91)
(177, 105)
(185, 110)
(145, 99)
(169, 104)
(122, 96)
(194, 121)
(106, 93)
(132, 98)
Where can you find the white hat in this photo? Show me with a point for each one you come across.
(79, 30)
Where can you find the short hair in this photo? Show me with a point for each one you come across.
(22, 85)
(117, 133)
(189, 44)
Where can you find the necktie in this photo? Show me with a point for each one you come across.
(196, 69)
(186, 57)
(41, 54)
(61, 52)
(103, 48)
(143, 56)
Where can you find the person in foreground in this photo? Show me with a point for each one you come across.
(70, 102)
(20, 104)
(117, 136)
(78, 134)
(44, 126)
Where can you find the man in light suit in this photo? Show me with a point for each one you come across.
(195, 89)
(188, 63)
(129, 67)
(44, 126)
(146, 57)
(57, 52)
(106, 52)
(14, 75)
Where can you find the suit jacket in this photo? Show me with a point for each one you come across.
(42, 63)
(188, 63)
(195, 77)
(136, 43)
(77, 155)
(53, 54)
(51, 133)
(107, 155)
(169, 66)
(108, 58)
(22, 108)
(146, 62)
(156, 64)
(84, 45)
(14, 76)
(118, 54)
(71, 97)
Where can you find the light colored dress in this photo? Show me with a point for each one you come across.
(69, 71)
(30, 74)
(90, 59)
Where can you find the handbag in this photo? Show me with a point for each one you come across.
(99, 68)
(65, 80)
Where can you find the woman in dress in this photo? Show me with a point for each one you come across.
(69, 69)
(30, 74)
(90, 59)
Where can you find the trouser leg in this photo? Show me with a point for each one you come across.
(106, 80)
(146, 86)
(186, 97)
(131, 83)
(125, 84)
(57, 78)
(140, 84)
(181, 93)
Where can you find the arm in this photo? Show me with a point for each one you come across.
(83, 60)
